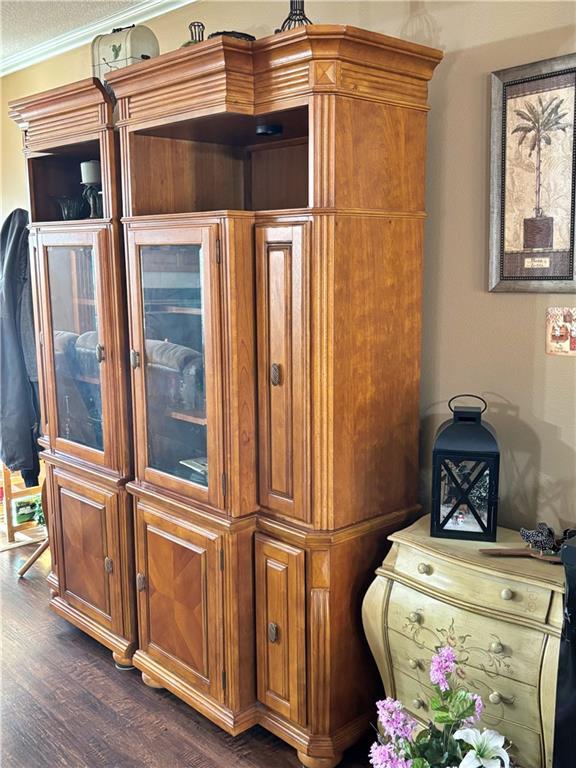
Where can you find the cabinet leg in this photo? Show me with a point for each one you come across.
(122, 662)
(150, 682)
(319, 762)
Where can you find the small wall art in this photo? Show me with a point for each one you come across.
(561, 331)
(533, 177)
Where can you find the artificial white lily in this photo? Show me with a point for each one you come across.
(487, 748)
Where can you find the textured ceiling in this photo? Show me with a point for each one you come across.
(26, 23)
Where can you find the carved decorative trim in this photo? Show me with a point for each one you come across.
(323, 142)
(322, 281)
(319, 660)
(274, 72)
(373, 83)
(63, 115)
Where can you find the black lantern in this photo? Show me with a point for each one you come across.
(465, 466)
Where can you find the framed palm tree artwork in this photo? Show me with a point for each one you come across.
(533, 177)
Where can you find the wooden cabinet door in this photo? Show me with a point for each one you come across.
(85, 525)
(80, 343)
(174, 285)
(280, 628)
(180, 598)
(283, 344)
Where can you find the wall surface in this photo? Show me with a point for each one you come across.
(473, 341)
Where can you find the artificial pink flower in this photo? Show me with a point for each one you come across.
(395, 721)
(386, 756)
(479, 709)
(442, 664)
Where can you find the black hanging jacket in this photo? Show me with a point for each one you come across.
(19, 417)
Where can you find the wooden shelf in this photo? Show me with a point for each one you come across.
(190, 416)
(88, 379)
(176, 310)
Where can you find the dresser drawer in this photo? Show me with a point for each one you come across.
(431, 623)
(502, 594)
(527, 744)
(504, 699)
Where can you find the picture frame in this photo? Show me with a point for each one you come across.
(533, 177)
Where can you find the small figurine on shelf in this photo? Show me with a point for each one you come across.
(541, 538)
(92, 182)
(196, 34)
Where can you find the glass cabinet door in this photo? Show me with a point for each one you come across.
(74, 341)
(176, 359)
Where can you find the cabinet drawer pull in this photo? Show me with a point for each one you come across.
(140, 582)
(414, 618)
(507, 594)
(134, 358)
(413, 663)
(496, 647)
(99, 352)
(498, 698)
(275, 374)
(273, 632)
(418, 703)
(424, 569)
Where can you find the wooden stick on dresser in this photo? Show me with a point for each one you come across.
(520, 552)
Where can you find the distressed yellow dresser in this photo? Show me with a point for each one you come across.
(503, 616)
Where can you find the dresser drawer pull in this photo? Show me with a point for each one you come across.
(418, 703)
(496, 647)
(414, 618)
(413, 664)
(424, 569)
(507, 594)
(497, 698)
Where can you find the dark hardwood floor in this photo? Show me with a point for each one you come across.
(65, 704)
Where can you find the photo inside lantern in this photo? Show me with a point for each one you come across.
(464, 497)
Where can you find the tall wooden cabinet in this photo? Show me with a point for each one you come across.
(80, 316)
(273, 214)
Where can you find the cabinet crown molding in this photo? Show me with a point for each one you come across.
(54, 117)
(229, 75)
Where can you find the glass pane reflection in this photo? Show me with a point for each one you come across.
(75, 340)
(174, 369)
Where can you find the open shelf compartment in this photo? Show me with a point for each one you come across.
(55, 176)
(221, 162)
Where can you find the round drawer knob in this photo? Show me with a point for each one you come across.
(414, 617)
(506, 594)
(418, 703)
(496, 647)
(413, 664)
(424, 569)
(495, 698)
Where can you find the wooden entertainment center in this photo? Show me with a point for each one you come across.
(230, 364)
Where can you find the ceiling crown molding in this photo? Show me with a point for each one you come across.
(136, 14)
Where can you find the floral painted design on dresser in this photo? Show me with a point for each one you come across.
(493, 661)
(471, 661)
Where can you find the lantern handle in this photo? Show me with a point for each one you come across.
(476, 397)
